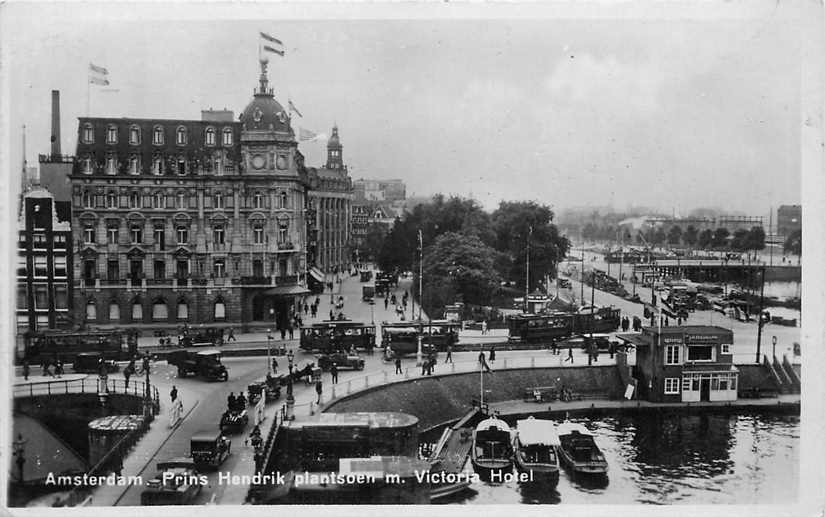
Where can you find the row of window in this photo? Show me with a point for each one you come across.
(41, 266)
(694, 353)
(39, 241)
(181, 232)
(179, 165)
(693, 382)
(182, 269)
(158, 135)
(161, 200)
(160, 310)
(41, 297)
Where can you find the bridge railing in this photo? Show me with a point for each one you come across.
(87, 385)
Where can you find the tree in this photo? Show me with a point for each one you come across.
(373, 242)
(739, 242)
(674, 235)
(793, 244)
(720, 238)
(659, 236)
(512, 223)
(458, 265)
(691, 236)
(706, 239)
(756, 239)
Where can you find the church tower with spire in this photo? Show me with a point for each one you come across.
(335, 158)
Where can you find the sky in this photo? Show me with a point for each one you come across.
(672, 112)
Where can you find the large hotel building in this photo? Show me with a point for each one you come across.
(203, 221)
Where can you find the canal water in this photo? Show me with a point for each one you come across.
(673, 459)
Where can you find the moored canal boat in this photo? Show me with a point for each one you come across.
(578, 450)
(492, 452)
(534, 444)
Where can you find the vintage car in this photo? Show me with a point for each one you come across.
(341, 360)
(366, 276)
(270, 386)
(234, 420)
(89, 362)
(209, 449)
(177, 482)
(206, 364)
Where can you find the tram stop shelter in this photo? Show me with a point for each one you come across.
(687, 363)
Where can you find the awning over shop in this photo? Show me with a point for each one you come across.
(287, 290)
(317, 274)
(634, 339)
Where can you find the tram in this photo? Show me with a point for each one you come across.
(402, 338)
(333, 336)
(553, 326)
(111, 344)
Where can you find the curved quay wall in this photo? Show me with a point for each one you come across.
(441, 398)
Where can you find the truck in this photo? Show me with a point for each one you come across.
(368, 293)
(205, 363)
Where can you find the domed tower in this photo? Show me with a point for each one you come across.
(267, 141)
(335, 158)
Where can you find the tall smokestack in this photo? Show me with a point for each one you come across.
(56, 123)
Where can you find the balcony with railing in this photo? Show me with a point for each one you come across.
(286, 246)
(286, 280)
(255, 280)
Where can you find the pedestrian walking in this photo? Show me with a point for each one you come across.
(275, 365)
(386, 304)
(26, 370)
(484, 329)
(231, 335)
(319, 389)
(174, 394)
(127, 373)
(230, 400)
(334, 372)
(331, 315)
(483, 362)
(569, 355)
(398, 365)
(306, 309)
(291, 332)
(58, 369)
(492, 355)
(449, 358)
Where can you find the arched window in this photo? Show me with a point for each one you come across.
(87, 165)
(181, 135)
(183, 309)
(137, 310)
(111, 200)
(91, 310)
(134, 164)
(210, 136)
(111, 164)
(220, 309)
(227, 136)
(181, 203)
(134, 200)
(158, 200)
(157, 165)
(160, 311)
(111, 134)
(157, 135)
(114, 311)
(88, 134)
(134, 135)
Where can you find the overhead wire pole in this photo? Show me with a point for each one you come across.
(527, 279)
(419, 355)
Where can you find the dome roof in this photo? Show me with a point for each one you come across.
(264, 113)
(333, 140)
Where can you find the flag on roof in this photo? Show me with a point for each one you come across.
(98, 75)
(305, 135)
(275, 46)
(293, 108)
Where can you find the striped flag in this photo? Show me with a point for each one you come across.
(293, 108)
(98, 75)
(276, 47)
(305, 135)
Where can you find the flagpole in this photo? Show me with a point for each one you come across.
(88, 95)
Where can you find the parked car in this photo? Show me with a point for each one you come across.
(206, 364)
(176, 482)
(341, 359)
(209, 449)
(89, 362)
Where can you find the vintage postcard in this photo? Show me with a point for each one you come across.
(477, 255)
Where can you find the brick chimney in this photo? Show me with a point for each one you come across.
(56, 124)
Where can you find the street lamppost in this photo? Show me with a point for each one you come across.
(372, 311)
(419, 355)
(269, 350)
(290, 399)
(19, 447)
(773, 340)
(147, 399)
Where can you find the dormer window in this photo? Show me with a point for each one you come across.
(210, 136)
(134, 135)
(181, 136)
(157, 136)
(227, 136)
(88, 134)
(111, 135)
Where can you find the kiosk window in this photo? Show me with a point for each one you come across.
(700, 353)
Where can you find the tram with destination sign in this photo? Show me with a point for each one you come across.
(402, 338)
(553, 326)
(111, 344)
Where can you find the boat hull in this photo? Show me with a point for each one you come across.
(539, 471)
(589, 468)
(491, 470)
